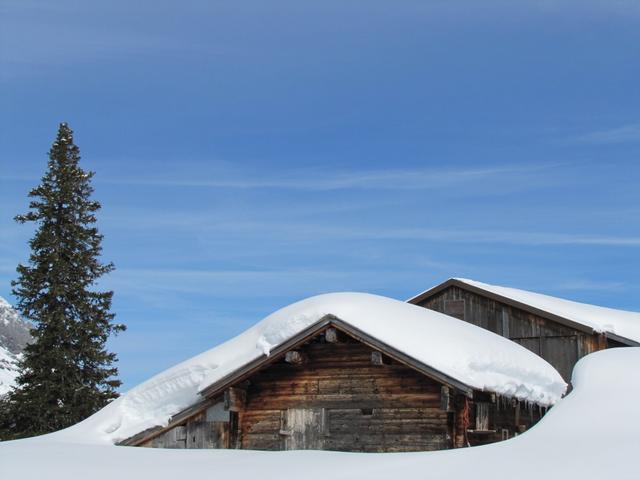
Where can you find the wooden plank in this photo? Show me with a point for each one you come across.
(482, 416)
(340, 401)
(445, 398)
(234, 399)
(505, 323)
(455, 308)
(532, 344)
(305, 429)
(561, 352)
(142, 437)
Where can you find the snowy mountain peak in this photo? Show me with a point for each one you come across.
(14, 336)
(14, 331)
(7, 313)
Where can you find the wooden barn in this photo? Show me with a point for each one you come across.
(365, 374)
(558, 330)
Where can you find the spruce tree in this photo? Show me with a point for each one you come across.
(67, 373)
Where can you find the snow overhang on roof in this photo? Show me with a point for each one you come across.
(455, 350)
(620, 325)
(468, 354)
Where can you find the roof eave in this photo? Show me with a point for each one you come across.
(624, 340)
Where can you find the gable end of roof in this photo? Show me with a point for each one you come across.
(252, 367)
(454, 282)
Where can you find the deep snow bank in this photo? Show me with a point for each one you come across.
(463, 351)
(590, 435)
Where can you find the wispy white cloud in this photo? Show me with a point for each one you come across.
(509, 237)
(624, 134)
(198, 280)
(591, 285)
(328, 179)
(301, 231)
(43, 34)
(317, 179)
(232, 229)
(176, 288)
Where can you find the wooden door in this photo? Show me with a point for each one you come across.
(303, 428)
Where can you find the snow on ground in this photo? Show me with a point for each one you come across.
(600, 319)
(463, 351)
(591, 434)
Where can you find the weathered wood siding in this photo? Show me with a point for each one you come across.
(208, 429)
(559, 345)
(505, 418)
(339, 400)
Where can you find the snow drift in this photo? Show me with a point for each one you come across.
(474, 356)
(591, 434)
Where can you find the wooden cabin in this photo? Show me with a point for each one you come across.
(333, 386)
(558, 330)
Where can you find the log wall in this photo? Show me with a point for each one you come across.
(349, 403)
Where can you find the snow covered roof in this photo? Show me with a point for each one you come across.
(616, 323)
(473, 356)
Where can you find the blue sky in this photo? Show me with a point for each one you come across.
(250, 154)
